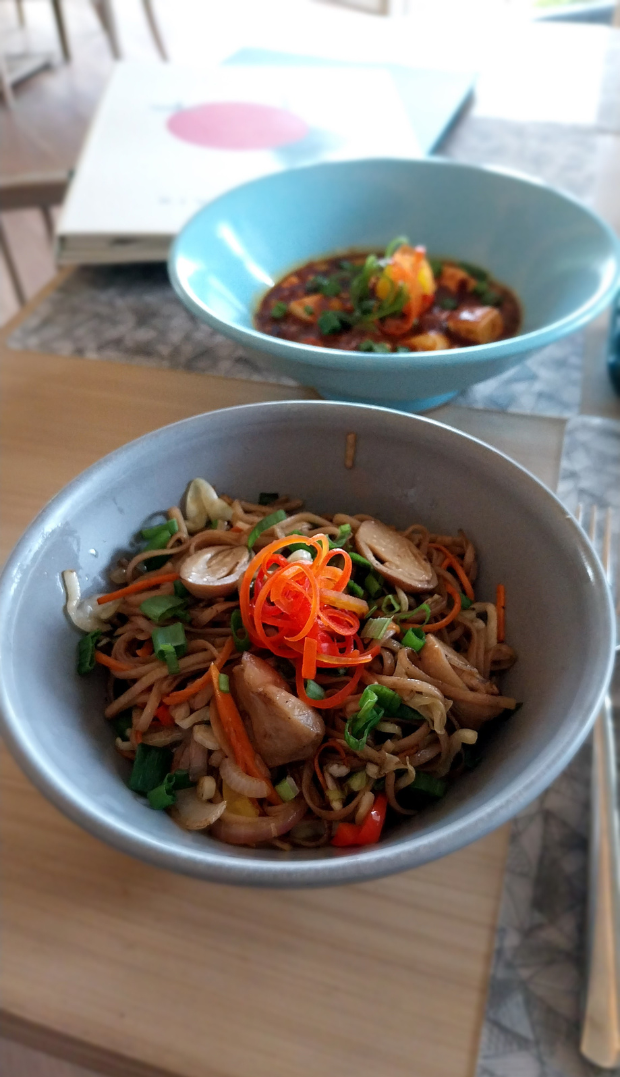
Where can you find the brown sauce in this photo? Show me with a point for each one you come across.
(319, 304)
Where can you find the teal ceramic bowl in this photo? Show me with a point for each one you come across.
(562, 261)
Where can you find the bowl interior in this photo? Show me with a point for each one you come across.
(407, 469)
(554, 254)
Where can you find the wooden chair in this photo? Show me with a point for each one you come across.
(40, 192)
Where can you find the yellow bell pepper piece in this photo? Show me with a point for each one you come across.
(237, 803)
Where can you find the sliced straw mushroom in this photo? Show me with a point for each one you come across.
(395, 557)
(195, 814)
(217, 570)
(285, 728)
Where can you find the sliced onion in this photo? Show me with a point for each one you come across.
(86, 614)
(194, 814)
(241, 782)
(241, 830)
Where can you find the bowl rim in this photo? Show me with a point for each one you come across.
(207, 862)
(338, 358)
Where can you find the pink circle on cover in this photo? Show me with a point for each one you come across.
(237, 125)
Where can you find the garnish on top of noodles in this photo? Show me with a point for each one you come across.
(283, 678)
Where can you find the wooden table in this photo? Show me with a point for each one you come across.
(133, 970)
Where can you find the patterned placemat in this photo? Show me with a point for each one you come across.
(532, 1020)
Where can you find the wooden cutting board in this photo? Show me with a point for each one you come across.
(130, 969)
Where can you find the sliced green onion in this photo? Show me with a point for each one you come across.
(402, 348)
(359, 560)
(240, 634)
(182, 779)
(390, 604)
(359, 725)
(150, 768)
(400, 241)
(170, 644)
(448, 302)
(372, 585)
(308, 309)
(408, 714)
(329, 286)
(267, 499)
(264, 525)
(167, 654)
(436, 265)
(406, 614)
(379, 347)
(180, 589)
(465, 601)
(426, 783)
(357, 780)
(171, 526)
(375, 627)
(344, 534)
(489, 296)
(388, 698)
(361, 282)
(330, 322)
(314, 690)
(302, 546)
(162, 796)
(287, 789)
(224, 682)
(279, 309)
(122, 724)
(394, 302)
(161, 607)
(414, 638)
(86, 652)
(354, 589)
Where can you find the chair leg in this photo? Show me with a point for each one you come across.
(11, 266)
(61, 29)
(48, 221)
(105, 11)
(149, 11)
(5, 83)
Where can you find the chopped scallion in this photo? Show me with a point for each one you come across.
(465, 601)
(448, 302)
(474, 271)
(426, 783)
(170, 644)
(377, 346)
(357, 780)
(86, 652)
(224, 682)
(180, 589)
(414, 638)
(171, 526)
(314, 690)
(122, 724)
(329, 322)
(388, 698)
(287, 789)
(354, 589)
(375, 627)
(436, 265)
(264, 525)
(400, 241)
(150, 768)
(390, 604)
(343, 536)
(279, 310)
(162, 607)
(359, 560)
(372, 585)
(240, 635)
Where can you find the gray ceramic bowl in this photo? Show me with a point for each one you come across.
(407, 468)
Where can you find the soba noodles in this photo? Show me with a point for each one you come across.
(283, 678)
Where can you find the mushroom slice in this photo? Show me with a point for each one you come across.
(215, 570)
(395, 557)
(285, 728)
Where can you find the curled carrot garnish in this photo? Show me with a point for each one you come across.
(451, 560)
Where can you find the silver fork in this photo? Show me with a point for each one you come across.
(600, 1034)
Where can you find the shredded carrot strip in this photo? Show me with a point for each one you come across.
(232, 724)
(225, 653)
(146, 649)
(317, 768)
(500, 603)
(202, 681)
(458, 568)
(139, 585)
(111, 663)
(454, 612)
(308, 667)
